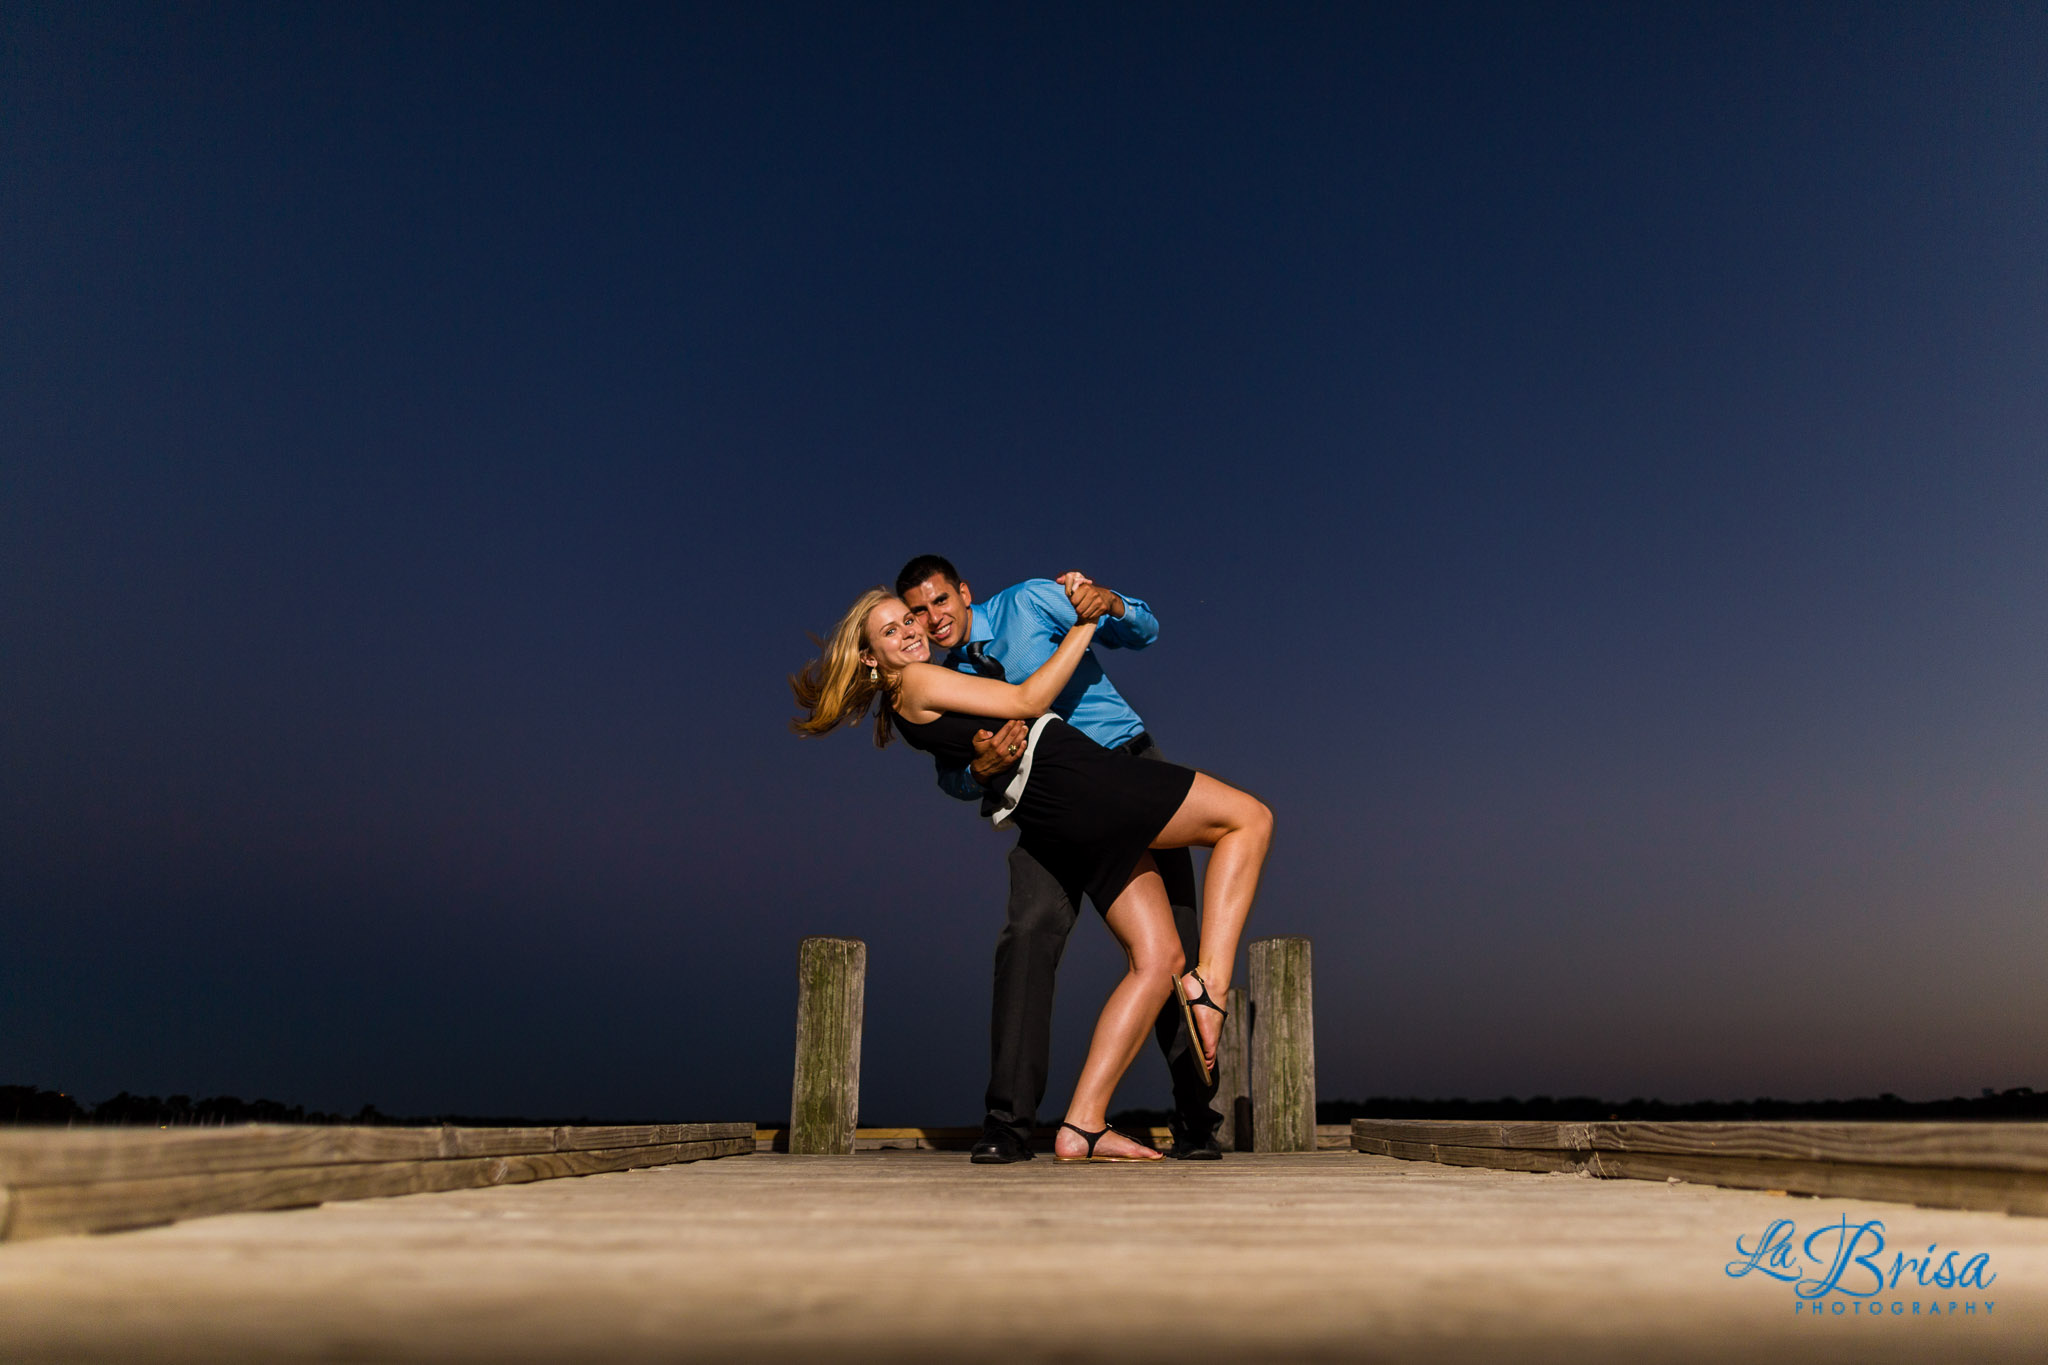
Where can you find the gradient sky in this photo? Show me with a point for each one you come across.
(1590, 464)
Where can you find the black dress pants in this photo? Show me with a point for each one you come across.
(1041, 915)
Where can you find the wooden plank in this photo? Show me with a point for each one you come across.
(1491, 1158)
(551, 1164)
(71, 1155)
(1575, 1137)
(616, 1135)
(1474, 1134)
(596, 1161)
(1480, 1133)
(2021, 1192)
(1527, 1159)
(106, 1205)
(1283, 1043)
(1739, 1156)
(1983, 1146)
(500, 1141)
(824, 1097)
(31, 1157)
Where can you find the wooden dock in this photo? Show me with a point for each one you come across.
(907, 1256)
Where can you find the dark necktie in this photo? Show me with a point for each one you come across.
(983, 664)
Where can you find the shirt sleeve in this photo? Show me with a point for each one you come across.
(1135, 629)
(1049, 603)
(958, 783)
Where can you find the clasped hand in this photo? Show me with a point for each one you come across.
(1090, 602)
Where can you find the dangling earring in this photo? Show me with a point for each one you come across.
(873, 676)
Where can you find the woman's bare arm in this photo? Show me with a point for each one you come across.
(930, 687)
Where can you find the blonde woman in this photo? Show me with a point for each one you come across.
(1089, 814)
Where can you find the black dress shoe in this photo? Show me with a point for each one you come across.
(1193, 1141)
(1000, 1147)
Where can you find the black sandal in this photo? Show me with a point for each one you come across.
(1094, 1138)
(1187, 1011)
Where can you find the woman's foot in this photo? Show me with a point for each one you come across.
(1072, 1143)
(1207, 1014)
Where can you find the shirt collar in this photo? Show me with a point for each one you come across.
(980, 633)
(983, 628)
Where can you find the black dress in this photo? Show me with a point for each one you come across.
(1087, 813)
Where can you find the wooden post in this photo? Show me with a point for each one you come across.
(824, 1101)
(1283, 1047)
(1233, 1075)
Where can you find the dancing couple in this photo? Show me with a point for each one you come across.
(1009, 699)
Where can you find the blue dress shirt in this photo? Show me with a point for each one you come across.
(1020, 627)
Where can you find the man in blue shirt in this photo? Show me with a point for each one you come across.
(1008, 636)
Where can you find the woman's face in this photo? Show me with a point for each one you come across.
(896, 639)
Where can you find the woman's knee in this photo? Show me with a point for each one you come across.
(1254, 817)
(1163, 961)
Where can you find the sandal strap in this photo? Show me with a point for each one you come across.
(1093, 1137)
(1203, 999)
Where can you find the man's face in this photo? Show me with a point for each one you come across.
(945, 609)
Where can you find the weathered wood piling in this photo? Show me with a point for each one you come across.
(824, 1100)
(1234, 1075)
(1283, 1046)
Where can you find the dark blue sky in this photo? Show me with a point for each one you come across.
(1589, 463)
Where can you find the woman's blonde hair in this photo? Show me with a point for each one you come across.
(835, 688)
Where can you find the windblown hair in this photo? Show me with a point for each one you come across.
(834, 688)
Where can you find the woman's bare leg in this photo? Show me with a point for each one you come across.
(1142, 921)
(1237, 829)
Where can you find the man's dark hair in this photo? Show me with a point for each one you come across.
(923, 567)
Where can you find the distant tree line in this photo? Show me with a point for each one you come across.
(2019, 1103)
(28, 1104)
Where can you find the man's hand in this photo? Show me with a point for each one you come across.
(1090, 602)
(993, 753)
